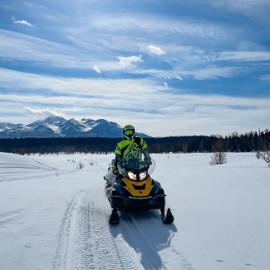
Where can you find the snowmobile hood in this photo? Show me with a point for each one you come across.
(138, 188)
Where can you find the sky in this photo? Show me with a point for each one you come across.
(167, 67)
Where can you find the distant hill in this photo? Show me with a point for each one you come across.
(54, 126)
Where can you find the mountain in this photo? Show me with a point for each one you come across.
(54, 126)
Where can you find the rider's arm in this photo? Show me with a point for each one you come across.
(144, 145)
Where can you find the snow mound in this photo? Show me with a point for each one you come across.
(18, 167)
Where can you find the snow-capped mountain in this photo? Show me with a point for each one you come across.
(54, 126)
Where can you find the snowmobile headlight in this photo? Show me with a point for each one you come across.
(143, 175)
(132, 176)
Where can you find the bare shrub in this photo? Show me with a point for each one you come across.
(218, 158)
(265, 156)
(80, 165)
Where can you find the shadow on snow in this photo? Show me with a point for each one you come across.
(146, 234)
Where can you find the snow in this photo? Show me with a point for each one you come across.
(54, 215)
(54, 128)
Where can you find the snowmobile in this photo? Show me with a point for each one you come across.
(133, 188)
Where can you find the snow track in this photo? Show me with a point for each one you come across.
(85, 239)
(21, 170)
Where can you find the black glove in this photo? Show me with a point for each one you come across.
(115, 168)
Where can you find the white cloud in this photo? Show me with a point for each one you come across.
(119, 23)
(245, 56)
(103, 88)
(18, 46)
(97, 69)
(146, 103)
(212, 72)
(23, 22)
(44, 112)
(155, 50)
(196, 114)
(129, 61)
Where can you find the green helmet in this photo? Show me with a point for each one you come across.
(129, 132)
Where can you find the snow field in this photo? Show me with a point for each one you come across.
(54, 215)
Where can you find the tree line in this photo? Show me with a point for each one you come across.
(252, 141)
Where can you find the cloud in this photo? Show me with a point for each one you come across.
(244, 56)
(44, 112)
(211, 73)
(155, 50)
(206, 73)
(147, 24)
(97, 69)
(258, 9)
(22, 47)
(129, 61)
(152, 106)
(23, 22)
(178, 114)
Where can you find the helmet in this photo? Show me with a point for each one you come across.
(129, 132)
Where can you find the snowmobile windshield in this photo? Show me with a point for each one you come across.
(135, 159)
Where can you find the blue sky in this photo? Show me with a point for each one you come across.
(168, 67)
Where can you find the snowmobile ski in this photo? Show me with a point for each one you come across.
(169, 218)
(114, 218)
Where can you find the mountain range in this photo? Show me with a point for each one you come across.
(55, 126)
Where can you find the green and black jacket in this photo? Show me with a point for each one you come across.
(125, 143)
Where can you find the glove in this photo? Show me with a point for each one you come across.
(114, 168)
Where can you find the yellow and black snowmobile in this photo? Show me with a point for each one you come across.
(133, 188)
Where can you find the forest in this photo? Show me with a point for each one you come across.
(248, 142)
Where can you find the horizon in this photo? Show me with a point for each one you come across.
(151, 136)
(167, 68)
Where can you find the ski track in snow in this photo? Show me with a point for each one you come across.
(18, 171)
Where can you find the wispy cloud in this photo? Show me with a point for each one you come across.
(155, 24)
(207, 73)
(138, 58)
(129, 61)
(44, 112)
(155, 50)
(144, 103)
(97, 69)
(23, 22)
(258, 9)
(244, 56)
(22, 47)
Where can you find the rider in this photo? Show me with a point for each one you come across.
(129, 139)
